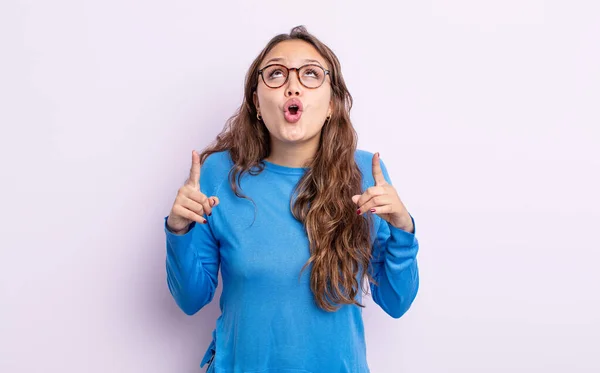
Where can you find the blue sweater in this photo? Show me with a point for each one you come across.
(269, 321)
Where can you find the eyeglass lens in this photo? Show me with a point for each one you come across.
(310, 75)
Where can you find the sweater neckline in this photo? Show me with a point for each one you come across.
(284, 169)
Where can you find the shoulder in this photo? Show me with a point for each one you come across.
(363, 158)
(217, 160)
(214, 171)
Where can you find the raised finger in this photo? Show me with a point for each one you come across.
(377, 172)
(194, 178)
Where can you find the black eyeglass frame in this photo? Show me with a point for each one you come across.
(289, 72)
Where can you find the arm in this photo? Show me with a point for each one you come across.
(395, 269)
(192, 265)
(394, 266)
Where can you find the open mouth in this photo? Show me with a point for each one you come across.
(293, 109)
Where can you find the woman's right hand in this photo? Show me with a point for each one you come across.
(190, 203)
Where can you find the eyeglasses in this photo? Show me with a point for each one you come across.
(310, 76)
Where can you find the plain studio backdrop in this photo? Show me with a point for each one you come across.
(485, 112)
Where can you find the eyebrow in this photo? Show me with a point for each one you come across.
(280, 59)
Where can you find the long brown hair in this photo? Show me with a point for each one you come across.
(339, 238)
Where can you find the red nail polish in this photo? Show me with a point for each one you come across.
(372, 210)
(358, 212)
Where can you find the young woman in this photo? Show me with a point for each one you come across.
(298, 220)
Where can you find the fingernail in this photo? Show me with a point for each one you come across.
(372, 210)
(210, 214)
(205, 221)
(358, 211)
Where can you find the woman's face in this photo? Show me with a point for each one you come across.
(287, 125)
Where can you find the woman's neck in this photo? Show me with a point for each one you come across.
(296, 156)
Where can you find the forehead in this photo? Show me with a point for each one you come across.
(294, 53)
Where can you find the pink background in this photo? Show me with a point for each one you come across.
(486, 114)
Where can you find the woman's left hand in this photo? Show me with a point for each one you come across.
(383, 200)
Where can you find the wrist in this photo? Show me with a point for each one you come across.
(405, 223)
(181, 231)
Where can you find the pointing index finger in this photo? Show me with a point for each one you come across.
(377, 172)
(194, 178)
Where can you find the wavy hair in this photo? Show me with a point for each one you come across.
(339, 239)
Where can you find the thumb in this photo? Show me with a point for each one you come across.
(194, 179)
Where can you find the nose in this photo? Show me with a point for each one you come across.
(293, 88)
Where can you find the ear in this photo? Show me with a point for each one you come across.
(330, 112)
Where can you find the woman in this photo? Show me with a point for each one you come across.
(297, 219)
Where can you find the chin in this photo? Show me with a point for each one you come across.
(288, 138)
(299, 136)
(294, 132)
